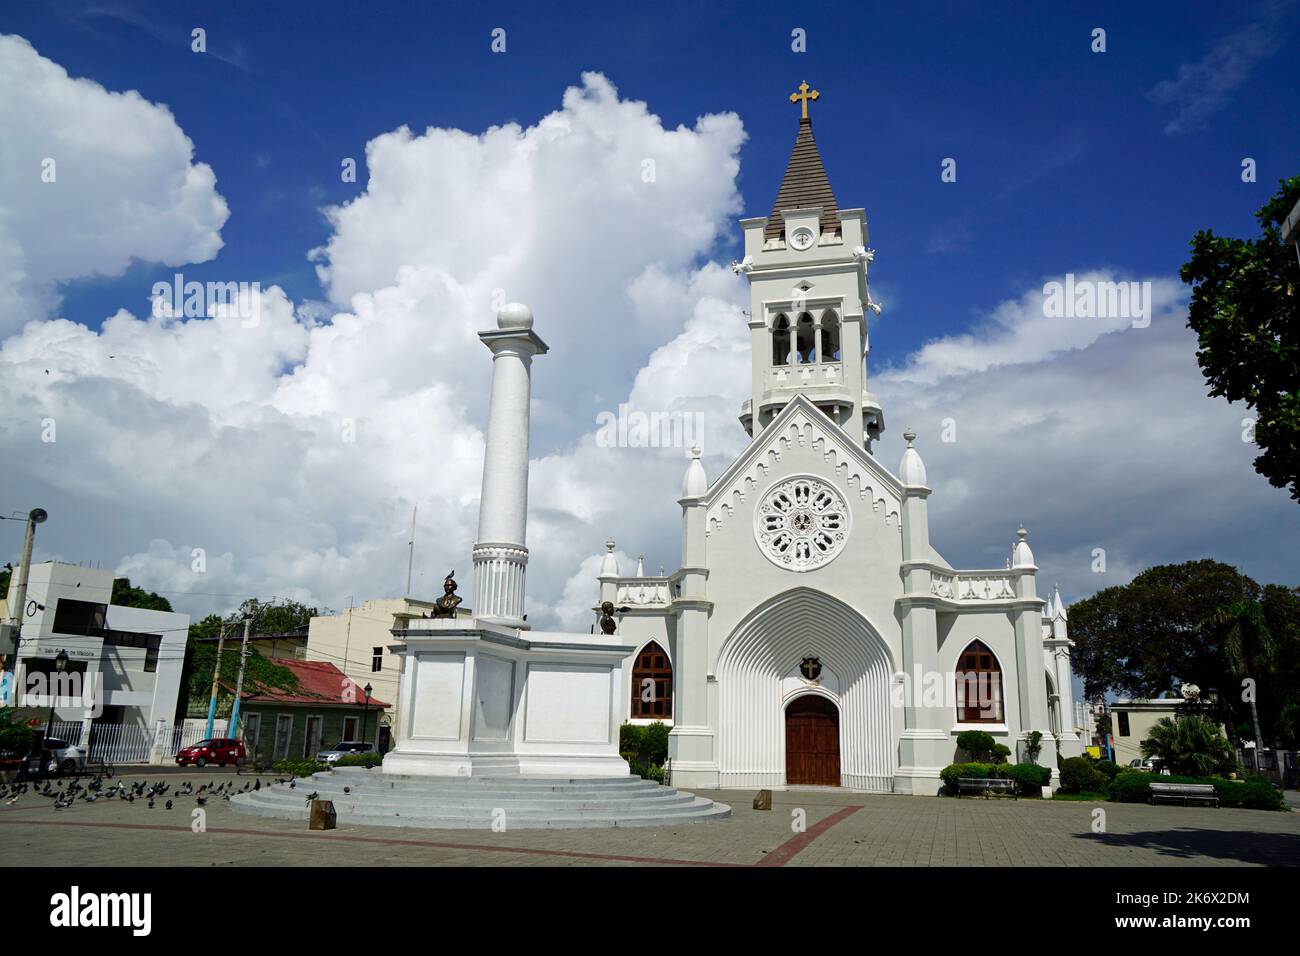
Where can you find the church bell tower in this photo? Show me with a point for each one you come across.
(807, 267)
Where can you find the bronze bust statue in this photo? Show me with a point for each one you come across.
(446, 605)
(607, 624)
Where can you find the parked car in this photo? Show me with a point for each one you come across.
(343, 748)
(63, 757)
(218, 750)
(1150, 764)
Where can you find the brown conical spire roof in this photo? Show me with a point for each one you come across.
(805, 184)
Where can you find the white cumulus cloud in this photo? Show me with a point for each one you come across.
(90, 180)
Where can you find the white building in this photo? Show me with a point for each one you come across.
(812, 634)
(126, 661)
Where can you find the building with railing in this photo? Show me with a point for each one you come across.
(123, 664)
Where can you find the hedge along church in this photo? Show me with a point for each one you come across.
(813, 634)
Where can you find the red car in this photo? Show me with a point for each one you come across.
(218, 750)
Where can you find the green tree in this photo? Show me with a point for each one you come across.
(1247, 645)
(265, 617)
(1190, 746)
(1246, 311)
(1148, 637)
(126, 595)
(15, 735)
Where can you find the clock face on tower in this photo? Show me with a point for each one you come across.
(802, 523)
(802, 238)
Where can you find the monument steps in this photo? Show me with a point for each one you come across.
(378, 799)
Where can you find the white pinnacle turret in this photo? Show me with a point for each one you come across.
(696, 482)
(1021, 556)
(609, 563)
(911, 470)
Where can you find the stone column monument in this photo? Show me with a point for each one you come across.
(500, 554)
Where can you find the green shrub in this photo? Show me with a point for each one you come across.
(1107, 767)
(1134, 786)
(654, 742)
(655, 773)
(1078, 775)
(298, 768)
(631, 738)
(977, 745)
(644, 746)
(1034, 745)
(1250, 795)
(359, 760)
(1031, 777)
(950, 773)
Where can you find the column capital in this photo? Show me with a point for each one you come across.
(520, 340)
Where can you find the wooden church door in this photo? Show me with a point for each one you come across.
(812, 741)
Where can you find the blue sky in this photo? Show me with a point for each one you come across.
(193, 435)
(1062, 154)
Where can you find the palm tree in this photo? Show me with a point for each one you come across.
(1247, 645)
(1189, 745)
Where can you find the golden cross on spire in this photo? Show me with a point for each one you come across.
(803, 96)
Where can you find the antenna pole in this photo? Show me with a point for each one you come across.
(410, 554)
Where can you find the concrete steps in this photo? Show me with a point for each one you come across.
(374, 798)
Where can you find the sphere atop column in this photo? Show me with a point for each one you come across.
(515, 315)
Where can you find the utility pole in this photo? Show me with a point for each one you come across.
(17, 611)
(239, 684)
(216, 675)
(410, 554)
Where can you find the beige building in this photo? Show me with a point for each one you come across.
(357, 641)
(1131, 722)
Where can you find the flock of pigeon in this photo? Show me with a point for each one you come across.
(149, 794)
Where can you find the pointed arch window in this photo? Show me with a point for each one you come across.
(979, 686)
(805, 340)
(830, 337)
(652, 684)
(781, 341)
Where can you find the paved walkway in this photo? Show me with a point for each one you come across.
(840, 830)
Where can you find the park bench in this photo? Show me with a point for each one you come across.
(1184, 793)
(987, 786)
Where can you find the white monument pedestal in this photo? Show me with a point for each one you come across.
(481, 699)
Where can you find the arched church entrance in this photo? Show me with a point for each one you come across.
(761, 673)
(812, 741)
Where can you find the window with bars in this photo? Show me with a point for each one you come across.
(652, 684)
(979, 686)
(376, 659)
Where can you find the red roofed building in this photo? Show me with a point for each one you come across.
(325, 708)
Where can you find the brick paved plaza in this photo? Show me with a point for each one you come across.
(842, 830)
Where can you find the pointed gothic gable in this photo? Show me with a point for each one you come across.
(805, 185)
(804, 424)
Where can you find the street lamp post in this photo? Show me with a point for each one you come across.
(365, 711)
(60, 668)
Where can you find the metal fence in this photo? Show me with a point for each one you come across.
(127, 743)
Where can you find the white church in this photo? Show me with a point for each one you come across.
(812, 635)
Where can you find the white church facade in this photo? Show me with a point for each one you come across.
(812, 635)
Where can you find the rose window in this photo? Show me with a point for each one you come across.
(801, 523)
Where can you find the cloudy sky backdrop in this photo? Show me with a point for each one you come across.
(520, 174)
